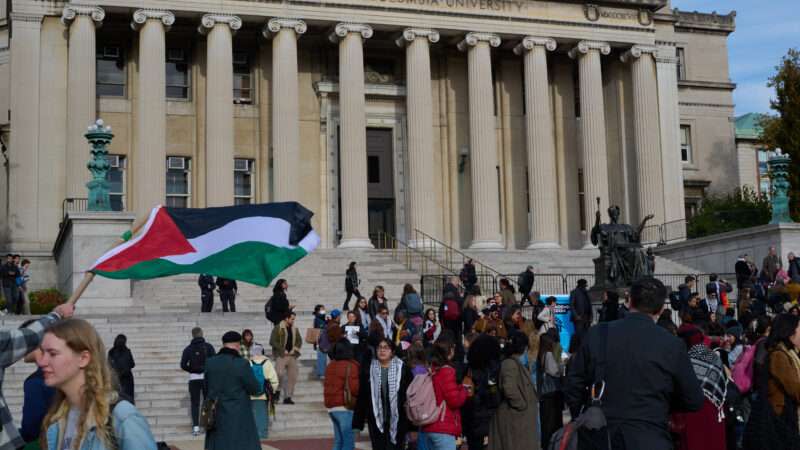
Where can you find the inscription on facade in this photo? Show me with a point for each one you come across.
(486, 5)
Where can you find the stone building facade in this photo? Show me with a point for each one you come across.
(485, 123)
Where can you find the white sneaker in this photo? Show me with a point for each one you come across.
(195, 431)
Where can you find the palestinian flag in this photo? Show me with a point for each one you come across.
(251, 243)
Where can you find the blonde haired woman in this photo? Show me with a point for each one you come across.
(86, 413)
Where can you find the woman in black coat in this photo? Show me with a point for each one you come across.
(121, 360)
(279, 307)
(387, 427)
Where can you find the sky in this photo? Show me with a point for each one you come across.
(765, 30)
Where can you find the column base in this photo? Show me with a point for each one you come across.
(487, 245)
(588, 246)
(543, 245)
(355, 243)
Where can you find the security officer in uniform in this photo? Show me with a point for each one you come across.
(227, 293)
(206, 283)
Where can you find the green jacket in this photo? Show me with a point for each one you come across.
(231, 382)
(278, 341)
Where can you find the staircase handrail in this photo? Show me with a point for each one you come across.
(404, 253)
(449, 253)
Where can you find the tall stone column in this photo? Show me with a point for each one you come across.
(81, 91)
(353, 136)
(482, 141)
(669, 120)
(149, 174)
(219, 106)
(540, 143)
(649, 175)
(23, 164)
(419, 113)
(594, 158)
(285, 106)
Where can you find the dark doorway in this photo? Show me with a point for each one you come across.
(380, 184)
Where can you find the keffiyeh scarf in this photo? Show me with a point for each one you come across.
(395, 368)
(708, 368)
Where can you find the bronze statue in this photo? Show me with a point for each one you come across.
(622, 259)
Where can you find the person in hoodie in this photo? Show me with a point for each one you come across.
(121, 360)
(193, 361)
(442, 434)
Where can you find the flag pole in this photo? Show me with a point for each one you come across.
(89, 276)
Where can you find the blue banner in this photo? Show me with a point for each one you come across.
(564, 323)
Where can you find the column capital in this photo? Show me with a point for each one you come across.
(530, 42)
(410, 34)
(276, 24)
(140, 16)
(210, 20)
(68, 14)
(585, 47)
(343, 29)
(637, 51)
(472, 39)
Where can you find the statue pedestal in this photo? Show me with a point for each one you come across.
(87, 236)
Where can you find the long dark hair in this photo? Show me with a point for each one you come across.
(783, 327)
(440, 351)
(278, 289)
(408, 289)
(546, 344)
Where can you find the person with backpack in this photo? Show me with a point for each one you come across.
(450, 318)
(351, 283)
(341, 391)
(206, 283)
(277, 307)
(643, 370)
(227, 293)
(411, 303)
(483, 373)
(193, 361)
(381, 396)
(514, 426)
(525, 282)
(442, 433)
(73, 362)
(263, 402)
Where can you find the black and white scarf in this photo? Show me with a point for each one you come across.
(395, 371)
(709, 370)
(386, 324)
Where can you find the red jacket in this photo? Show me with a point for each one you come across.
(454, 394)
(333, 389)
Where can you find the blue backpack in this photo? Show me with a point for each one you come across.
(258, 371)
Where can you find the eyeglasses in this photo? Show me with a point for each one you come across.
(384, 347)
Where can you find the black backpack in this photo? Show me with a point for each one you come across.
(197, 358)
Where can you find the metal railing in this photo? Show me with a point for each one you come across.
(410, 257)
(72, 205)
(432, 285)
(664, 233)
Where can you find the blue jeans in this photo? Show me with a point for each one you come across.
(322, 363)
(261, 415)
(343, 436)
(438, 441)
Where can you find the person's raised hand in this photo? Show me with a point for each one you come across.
(65, 311)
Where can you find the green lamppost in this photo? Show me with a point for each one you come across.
(99, 136)
(779, 178)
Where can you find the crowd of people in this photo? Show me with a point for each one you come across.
(14, 278)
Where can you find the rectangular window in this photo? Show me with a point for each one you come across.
(116, 181)
(581, 196)
(179, 187)
(681, 66)
(110, 71)
(686, 143)
(242, 79)
(764, 185)
(178, 73)
(373, 169)
(243, 181)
